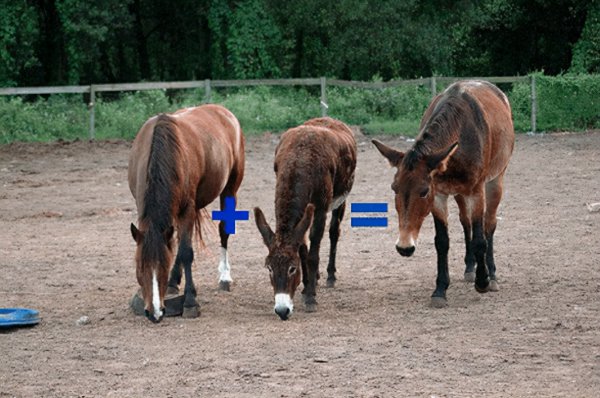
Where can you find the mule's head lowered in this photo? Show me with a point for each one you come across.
(414, 189)
(154, 254)
(283, 261)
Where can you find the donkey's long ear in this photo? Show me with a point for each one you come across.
(264, 229)
(393, 156)
(136, 234)
(438, 162)
(304, 224)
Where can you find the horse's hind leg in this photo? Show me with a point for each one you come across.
(230, 190)
(465, 220)
(185, 254)
(175, 277)
(493, 194)
(334, 235)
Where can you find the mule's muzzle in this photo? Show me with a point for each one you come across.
(405, 251)
(152, 318)
(283, 312)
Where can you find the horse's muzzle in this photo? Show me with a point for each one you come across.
(405, 251)
(151, 317)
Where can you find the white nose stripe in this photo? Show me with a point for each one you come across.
(283, 301)
(155, 297)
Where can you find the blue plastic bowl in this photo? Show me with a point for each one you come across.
(11, 317)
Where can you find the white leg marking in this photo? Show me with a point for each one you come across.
(155, 297)
(283, 301)
(224, 267)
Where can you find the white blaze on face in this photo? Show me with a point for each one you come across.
(224, 267)
(283, 301)
(156, 297)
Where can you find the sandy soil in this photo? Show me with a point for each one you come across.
(66, 250)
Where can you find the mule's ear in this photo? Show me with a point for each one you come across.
(393, 156)
(136, 234)
(438, 163)
(264, 229)
(304, 223)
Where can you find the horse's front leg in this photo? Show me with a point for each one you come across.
(442, 245)
(186, 255)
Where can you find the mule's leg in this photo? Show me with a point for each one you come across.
(493, 195)
(312, 266)
(334, 234)
(479, 242)
(442, 245)
(465, 220)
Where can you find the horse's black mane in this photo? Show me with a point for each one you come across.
(162, 176)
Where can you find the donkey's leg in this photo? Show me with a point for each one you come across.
(465, 220)
(493, 195)
(303, 253)
(442, 245)
(479, 242)
(334, 233)
(312, 267)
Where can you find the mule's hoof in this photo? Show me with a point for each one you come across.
(225, 286)
(470, 276)
(191, 312)
(172, 291)
(483, 289)
(494, 287)
(330, 283)
(439, 302)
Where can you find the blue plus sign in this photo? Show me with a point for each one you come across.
(230, 215)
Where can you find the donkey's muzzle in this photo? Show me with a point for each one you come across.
(405, 251)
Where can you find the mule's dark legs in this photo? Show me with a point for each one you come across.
(312, 266)
(465, 220)
(334, 234)
(442, 245)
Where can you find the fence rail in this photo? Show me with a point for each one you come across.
(208, 84)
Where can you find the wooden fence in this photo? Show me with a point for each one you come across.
(431, 82)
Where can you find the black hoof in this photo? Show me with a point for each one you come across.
(191, 312)
(330, 283)
(470, 276)
(225, 286)
(310, 303)
(483, 287)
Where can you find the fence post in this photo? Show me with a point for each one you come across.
(91, 106)
(433, 86)
(324, 105)
(207, 91)
(533, 105)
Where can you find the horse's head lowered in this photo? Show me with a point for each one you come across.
(283, 261)
(414, 188)
(154, 254)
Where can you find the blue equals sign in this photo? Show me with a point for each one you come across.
(368, 208)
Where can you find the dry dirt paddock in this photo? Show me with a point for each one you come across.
(66, 250)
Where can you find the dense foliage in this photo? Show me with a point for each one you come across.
(56, 42)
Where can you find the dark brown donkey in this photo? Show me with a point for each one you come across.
(180, 163)
(465, 142)
(314, 164)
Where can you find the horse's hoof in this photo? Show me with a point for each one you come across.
(470, 276)
(439, 302)
(494, 287)
(191, 312)
(225, 286)
(172, 291)
(483, 289)
(330, 283)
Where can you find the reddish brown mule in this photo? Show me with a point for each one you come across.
(465, 142)
(180, 163)
(314, 164)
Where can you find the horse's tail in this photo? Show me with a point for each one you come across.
(204, 222)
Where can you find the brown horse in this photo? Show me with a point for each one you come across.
(465, 142)
(180, 163)
(314, 164)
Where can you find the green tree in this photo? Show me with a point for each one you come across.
(586, 53)
(18, 35)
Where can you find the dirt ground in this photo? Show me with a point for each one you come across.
(66, 250)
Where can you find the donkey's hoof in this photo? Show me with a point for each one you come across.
(470, 276)
(330, 283)
(310, 307)
(191, 312)
(439, 302)
(225, 286)
(494, 287)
